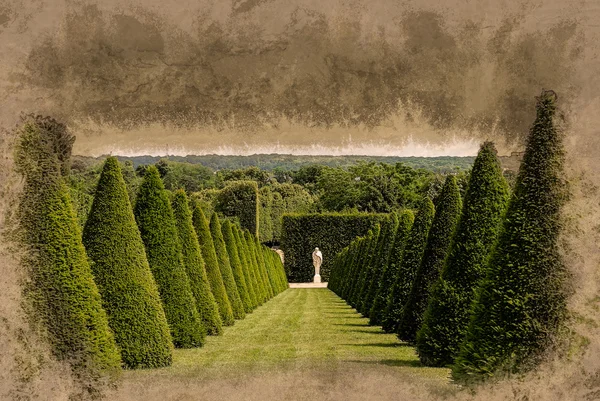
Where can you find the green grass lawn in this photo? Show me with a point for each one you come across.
(298, 329)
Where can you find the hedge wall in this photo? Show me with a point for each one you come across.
(331, 232)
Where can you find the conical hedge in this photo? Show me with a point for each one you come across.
(61, 286)
(194, 265)
(237, 307)
(121, 271)
(447, 316)
(383, 253)
(366, 267)
(236, 264)
(155, 220)
(438, 244)
(246, 266)
(408, 266)
(255, 272)
(521, 304)
(390, 273)
(263, 268)
(212, 265)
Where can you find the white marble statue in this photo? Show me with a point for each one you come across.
(317, 257)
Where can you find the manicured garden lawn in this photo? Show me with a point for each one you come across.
(309, 332)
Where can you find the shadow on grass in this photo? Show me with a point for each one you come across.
(351, 324)
(393, 362)
(385, 345)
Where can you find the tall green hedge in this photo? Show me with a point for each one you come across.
(447, 315)
(246, 266)
(365, 267)
(263, 268)
(237, 307)
(390, 273)
(438, 243)
(194, 265)
(330, 232)
(121, 271)
(236, 264)
(265, 204)
(261, 293)
(240, 199)
(408, 265)
(154, 217)
(521, 304)
(61, 286)
(383, 253)
(211, 263)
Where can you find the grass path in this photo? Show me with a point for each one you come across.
(299, 334)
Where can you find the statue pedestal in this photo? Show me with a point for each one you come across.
(317, 278)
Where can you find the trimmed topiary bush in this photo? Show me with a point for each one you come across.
(521, 304)
(60, 284)
(408, 265)
(386, 240)
(330, 232)
(263, 268)
(240, 199)
(154, 217)
(194, 265)
(223, 257)
(129, 293)
(447, 315)
(438, 244)
(365, 267)
(246, 265)
(211, 263)
(261, 292)
(236, 264)
(390, 273)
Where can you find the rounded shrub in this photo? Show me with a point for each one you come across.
(438, 244)
(408, 265)
(121, 271)
(194, 265)
(447, 315)
(521, 304)
(390, 273)
(155, 220)
(211, 263)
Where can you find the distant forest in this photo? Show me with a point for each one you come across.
(273, 162)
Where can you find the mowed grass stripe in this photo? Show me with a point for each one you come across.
(298, 328)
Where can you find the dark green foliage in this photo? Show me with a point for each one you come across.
(447, 315)
(408, 265)
(438, 243)
(236, 265)
(261, 294)
(330, 232)
(194, 265)
(240, 199)
(211, 263)
(386, 241)
(263, 269)
(265, 204)
(237, 307)
(60, 284)
(365, 267)
(121, 271)
(390, 273)
(246, 266)
(521, 304)
(155, 220)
